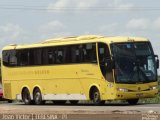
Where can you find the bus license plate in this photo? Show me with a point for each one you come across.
(139, 94)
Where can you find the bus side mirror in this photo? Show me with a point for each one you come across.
(157, 61)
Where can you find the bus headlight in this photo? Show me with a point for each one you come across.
(153, 87)
(122, 89)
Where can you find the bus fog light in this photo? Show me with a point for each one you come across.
(122, 89)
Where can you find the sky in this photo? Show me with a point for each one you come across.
(32, 21)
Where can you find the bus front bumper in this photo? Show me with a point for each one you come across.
(135, 95)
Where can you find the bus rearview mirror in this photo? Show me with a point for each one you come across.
(157, 61)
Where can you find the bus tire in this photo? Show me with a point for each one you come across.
(133, 101)
(95, 97)
(26, 96)
(74, 102)
(37, 97)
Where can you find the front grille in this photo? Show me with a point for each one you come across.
(138, 90)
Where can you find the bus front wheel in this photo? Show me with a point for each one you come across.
(132, 101)
(26, 96)
(37, 96)
(95, 97)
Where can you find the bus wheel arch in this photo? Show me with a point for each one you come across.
(37, 96)
(26, 96)
(95, 95)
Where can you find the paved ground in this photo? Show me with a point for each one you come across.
(50, 111)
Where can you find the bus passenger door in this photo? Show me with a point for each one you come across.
(106, 65)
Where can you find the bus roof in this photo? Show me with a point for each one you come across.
(77, 40)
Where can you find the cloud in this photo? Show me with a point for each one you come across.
(53, 29)
(87, 3)
(52, 26)
(12, 34)
(60, 4)
(11, 31)
(139, 23)
(54, 35)
(82, 5)
(108, 28)
(156, 23)
(119, 4)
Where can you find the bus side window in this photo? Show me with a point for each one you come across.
(10, 58)
(88, 53)
(23, 58)
(5, 58)
(45, 59)
(75, 54)
(38, 56)
(68, 54)
(60, 56)
(35, 56)
(91, 53)
(51, 56)
(82, 52)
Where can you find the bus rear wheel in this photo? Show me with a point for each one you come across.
(26, 97)
(95, 97)
(133, 101)
(37, 96)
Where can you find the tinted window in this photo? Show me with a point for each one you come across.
(83, 53)
(35, 56)
(9, 58)
(75, 54)
(5, 58)
(60, 56)
(23, 57)
(51, 55)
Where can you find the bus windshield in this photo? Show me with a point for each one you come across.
(134, 62)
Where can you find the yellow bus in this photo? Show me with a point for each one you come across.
(94, 68)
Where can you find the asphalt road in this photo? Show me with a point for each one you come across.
(50, 111)
(83, 107)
